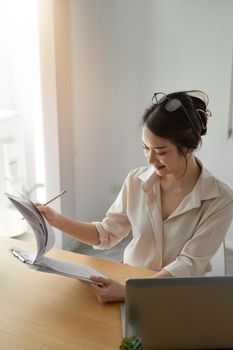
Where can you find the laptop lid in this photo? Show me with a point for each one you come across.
(180, 313)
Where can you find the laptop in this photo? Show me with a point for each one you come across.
(180, 313)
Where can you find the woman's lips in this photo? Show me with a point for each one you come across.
(159, 167)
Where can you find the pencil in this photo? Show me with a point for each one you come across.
(52, 199)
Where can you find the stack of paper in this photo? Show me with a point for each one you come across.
(45, 238)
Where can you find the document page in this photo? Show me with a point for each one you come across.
(45, 238)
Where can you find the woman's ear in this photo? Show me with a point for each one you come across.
(188, 151)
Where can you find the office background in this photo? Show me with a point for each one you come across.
(100, 62)
(116, 54)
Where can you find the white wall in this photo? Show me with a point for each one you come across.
(122, 52)
(109, 98)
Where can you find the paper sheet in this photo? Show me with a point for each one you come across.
(45, 238)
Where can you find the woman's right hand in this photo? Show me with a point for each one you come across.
(109, 291)
(50, 215)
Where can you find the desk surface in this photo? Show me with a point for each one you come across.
(46, 312)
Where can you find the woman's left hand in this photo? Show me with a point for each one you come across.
(109, 291)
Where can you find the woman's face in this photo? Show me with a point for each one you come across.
(162, 154)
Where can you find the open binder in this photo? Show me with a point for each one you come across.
(45, 238)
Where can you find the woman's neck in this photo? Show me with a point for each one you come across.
(188, 179)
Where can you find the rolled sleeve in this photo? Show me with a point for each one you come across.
(178, 268)
(104, 236)
(115, 226)
(112, 230)
(183, 266)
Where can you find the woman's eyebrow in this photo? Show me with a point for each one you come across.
(159, 147)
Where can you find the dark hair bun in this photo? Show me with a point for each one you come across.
(179, 116)
(201, 117)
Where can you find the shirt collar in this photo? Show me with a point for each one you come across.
(205, 188)
(148, 178)
(146, 174)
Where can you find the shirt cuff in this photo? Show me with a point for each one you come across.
(185, 268)
(178, 269)
(103, 235)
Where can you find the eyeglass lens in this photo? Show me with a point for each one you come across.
(171, 105)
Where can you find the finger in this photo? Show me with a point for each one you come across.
(98, 292)
(99, 279)
(91, 283)
(37, 204)
(43, 208)
(88, 284)
(40, 207)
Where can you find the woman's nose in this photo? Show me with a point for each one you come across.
(151, 156)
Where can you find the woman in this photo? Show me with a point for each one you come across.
(177, 211)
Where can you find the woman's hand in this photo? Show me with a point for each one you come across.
(110, 291)
(50, 215)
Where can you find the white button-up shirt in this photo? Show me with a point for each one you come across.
(184, 243)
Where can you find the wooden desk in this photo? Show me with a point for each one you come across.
(49, 312)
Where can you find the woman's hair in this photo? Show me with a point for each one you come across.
(180, 117)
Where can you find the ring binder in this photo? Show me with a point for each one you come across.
(18, 255)
(45, 238)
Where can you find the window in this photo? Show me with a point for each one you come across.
(21, 131)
